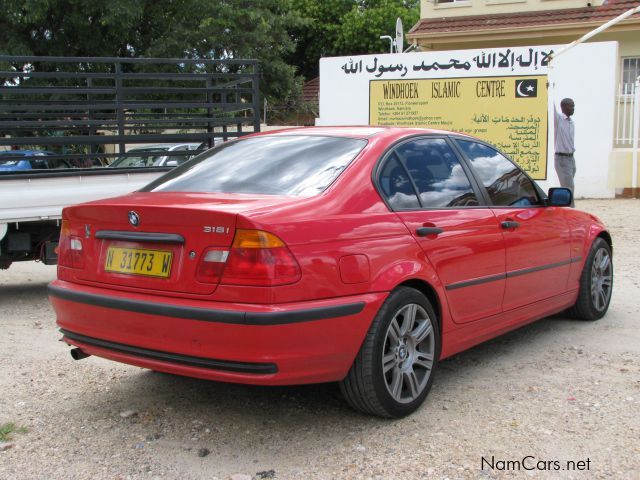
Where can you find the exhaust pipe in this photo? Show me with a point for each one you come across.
(78, 354)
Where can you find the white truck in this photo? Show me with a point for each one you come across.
(31, 206)
(82, 110)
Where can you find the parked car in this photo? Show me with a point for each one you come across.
(155, 156)
(16, 160)
(359, 255)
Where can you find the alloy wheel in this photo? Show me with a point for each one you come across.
(408, 354)
(601, 279)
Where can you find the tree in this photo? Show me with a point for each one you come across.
(369, 19)
(317, 35)
(158, 28)
(288, 36)
(345, 27)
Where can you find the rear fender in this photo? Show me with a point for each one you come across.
(418, 274)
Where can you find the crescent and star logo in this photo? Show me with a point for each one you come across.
(134, 219)
(527, 88)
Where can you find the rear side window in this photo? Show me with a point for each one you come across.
(295, 165)
(428, 168)
(396, 185)
(505, 182)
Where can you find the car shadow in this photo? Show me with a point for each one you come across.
(31, 293)
(312, 404)
(179, 415)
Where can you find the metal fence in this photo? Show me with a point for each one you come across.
(625, 108)
(91, 109)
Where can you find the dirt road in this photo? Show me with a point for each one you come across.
(555, 391)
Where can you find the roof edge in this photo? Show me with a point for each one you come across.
(551, 28)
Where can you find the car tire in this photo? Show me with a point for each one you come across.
(596, 283)
(394, 369)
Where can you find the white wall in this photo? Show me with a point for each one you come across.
(587, 73)
(431, 9)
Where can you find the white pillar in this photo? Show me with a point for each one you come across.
(636, 134)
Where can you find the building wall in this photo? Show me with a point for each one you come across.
(629, 41)
(626, 35)
(433, 9)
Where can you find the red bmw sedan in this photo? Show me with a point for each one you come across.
(358, 255)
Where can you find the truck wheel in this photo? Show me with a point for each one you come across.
(393, 371)
(596, 283)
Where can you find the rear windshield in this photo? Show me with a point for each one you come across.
(272, 165)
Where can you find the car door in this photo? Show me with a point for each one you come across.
(426, 184)
(537, 239)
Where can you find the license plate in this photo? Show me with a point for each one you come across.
(137, 261)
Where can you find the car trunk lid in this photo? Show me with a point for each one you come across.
(155, 241)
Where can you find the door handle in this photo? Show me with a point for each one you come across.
(507, 224)
(425, 231)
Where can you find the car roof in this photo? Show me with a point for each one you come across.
(358, 131)
(163, 145)
(25, 152)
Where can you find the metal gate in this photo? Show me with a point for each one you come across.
(88, 110)
(625, 110)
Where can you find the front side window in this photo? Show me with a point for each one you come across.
(506, 183)
(297, 165)
(430, 169)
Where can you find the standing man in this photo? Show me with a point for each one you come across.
(565, 131)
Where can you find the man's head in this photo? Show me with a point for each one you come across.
(567, 106)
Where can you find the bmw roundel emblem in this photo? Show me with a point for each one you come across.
(134, 219)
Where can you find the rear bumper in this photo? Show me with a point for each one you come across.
(305, 342)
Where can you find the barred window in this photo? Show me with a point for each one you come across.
(630, 71)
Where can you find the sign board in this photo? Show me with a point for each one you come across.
(509, 111)
(499, 95)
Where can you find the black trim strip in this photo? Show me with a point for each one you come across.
(205, 314)
(517, 273)
(514, 273)
(77, 172)
(242, 367)
(140, 236)
(470, 283)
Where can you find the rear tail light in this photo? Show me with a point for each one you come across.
(211, 265)
(70, 252)
(256, 258)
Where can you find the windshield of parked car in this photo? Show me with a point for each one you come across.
(17, 156)
(299, 165)
(139, 158)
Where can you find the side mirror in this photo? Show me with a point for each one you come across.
(560, 197)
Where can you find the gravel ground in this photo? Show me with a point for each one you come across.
(556, 390)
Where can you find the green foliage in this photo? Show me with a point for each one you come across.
(346, 27)
(317, 35)
(6, 429)
(287, 36)
(365, 23)
(223, 29)
(71, 27)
